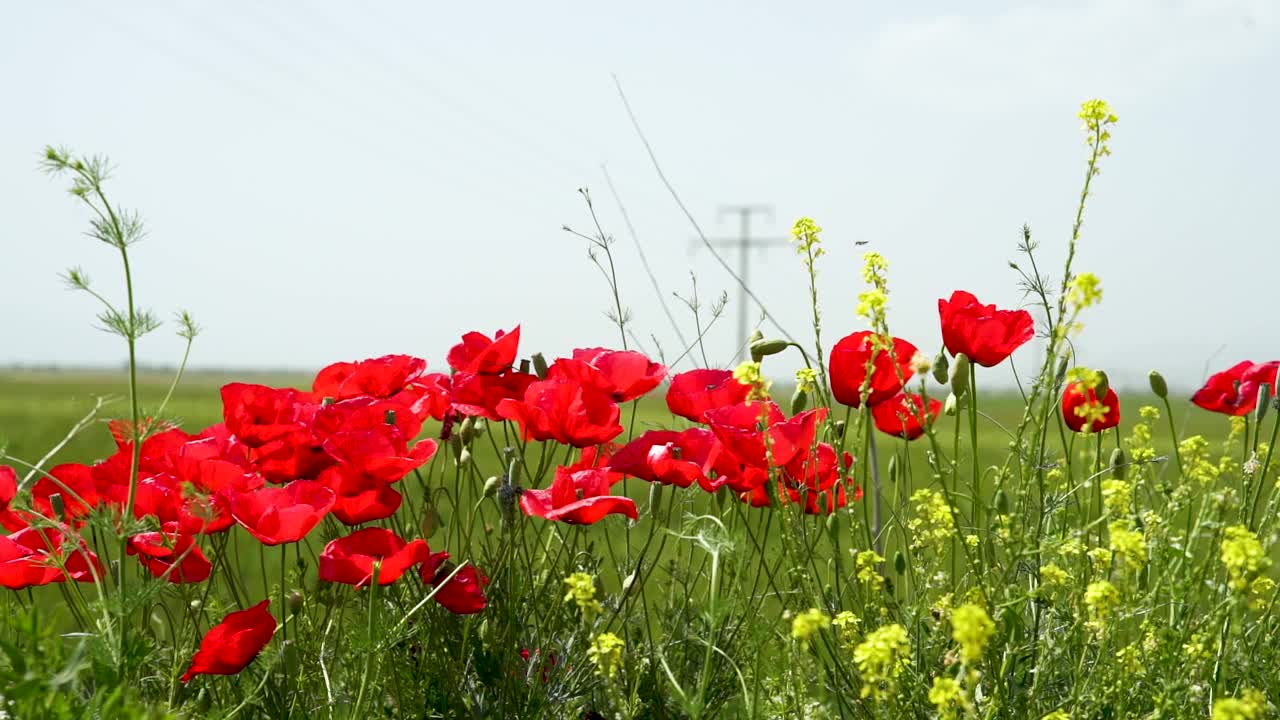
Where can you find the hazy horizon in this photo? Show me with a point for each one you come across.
(323, 182)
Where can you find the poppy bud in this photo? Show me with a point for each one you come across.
(1119, 468)
(960, 375)
(1158, 385)
(468, 430)
(464, 457)
(1264, 399)
(491, 486)
(431, 520)
(799, 401)
(899, 562)
(833, 526)
(764, 348)
(824, 504)
(513, 469)
(292, 657)
(1002, 502)
(540, 365)
(293, 602)
(951, 405)
(941, 364)
(1104, 383)
(655, 498)
(893, 469)
(195, 605)
(481, 426)
(455, 446)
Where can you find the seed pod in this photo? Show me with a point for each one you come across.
(893, 469)
(941, 363)
(540, 365)
(524, 366)
(58, 506)
(1002, 502)
(764, 348)
(1119, 468)
(293, 602)
(799, 401)
(951, 406)
(899, 562)
(960, 375)
(1158, 385)
(389, 417)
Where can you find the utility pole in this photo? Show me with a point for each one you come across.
(743, 244)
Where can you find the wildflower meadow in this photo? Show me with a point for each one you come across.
(499, 531)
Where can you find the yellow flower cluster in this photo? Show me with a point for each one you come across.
(1057, 715)
(948, 697)
(932, 523)
(582, 592)
(808, 623)
(606, 654)
(1196, 465)
(805, 233)
(1052, 577)
(749, 373)
(1141, 447)
(1243, 555)
(1101, 598)
(868, 563)
(1128, 544)
(971, 628)
(880, 657)
(1084, 290)
(806, 380)
(1097, 117)
(1117, 496)
(873, 301)
(1252, 705)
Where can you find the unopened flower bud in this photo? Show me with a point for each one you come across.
(491, 486)
(833, 525)
(1002, 502)
(1104, 384)
(540, 365)
(960, 375)
(799, 401)
(764, 348)
(1264, 399)
(195, 605)
(293, 602)
(1158, 385)
(1119, 468)
(893, 469)
(467, 431)
(951, 406)
(655, 498)
(431, 520)
(464, 457)
(899, 562)
(941, 366)
(455, 446)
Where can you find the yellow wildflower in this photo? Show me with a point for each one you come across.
(606, 654)
(582, 592)
(806, 624)
(1243, 555)
(971, 628)
(879, 659)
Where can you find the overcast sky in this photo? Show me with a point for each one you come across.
(326, 181)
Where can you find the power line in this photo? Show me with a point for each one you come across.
(744, 243)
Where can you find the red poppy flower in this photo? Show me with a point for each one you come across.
(1234, 391)
(359, 498)
(381, 377)
(350, 560)
(39, 556)
(623, 375)
(758, 434)
(900, 416)
(1082, 412)
(10, 519)
(463, 594)
(695, 392)
(379, 453)
(565, 411)
(479, 395)
(257, 414)
(74, 482)
(579, 498)
(22, 567)
(669, 457)
(232, 644)
(984, 334)
(277, 515)
(478, 354)
(813, 478)
(159, 551)
(890, 370)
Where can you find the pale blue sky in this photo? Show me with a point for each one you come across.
(326, 181)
